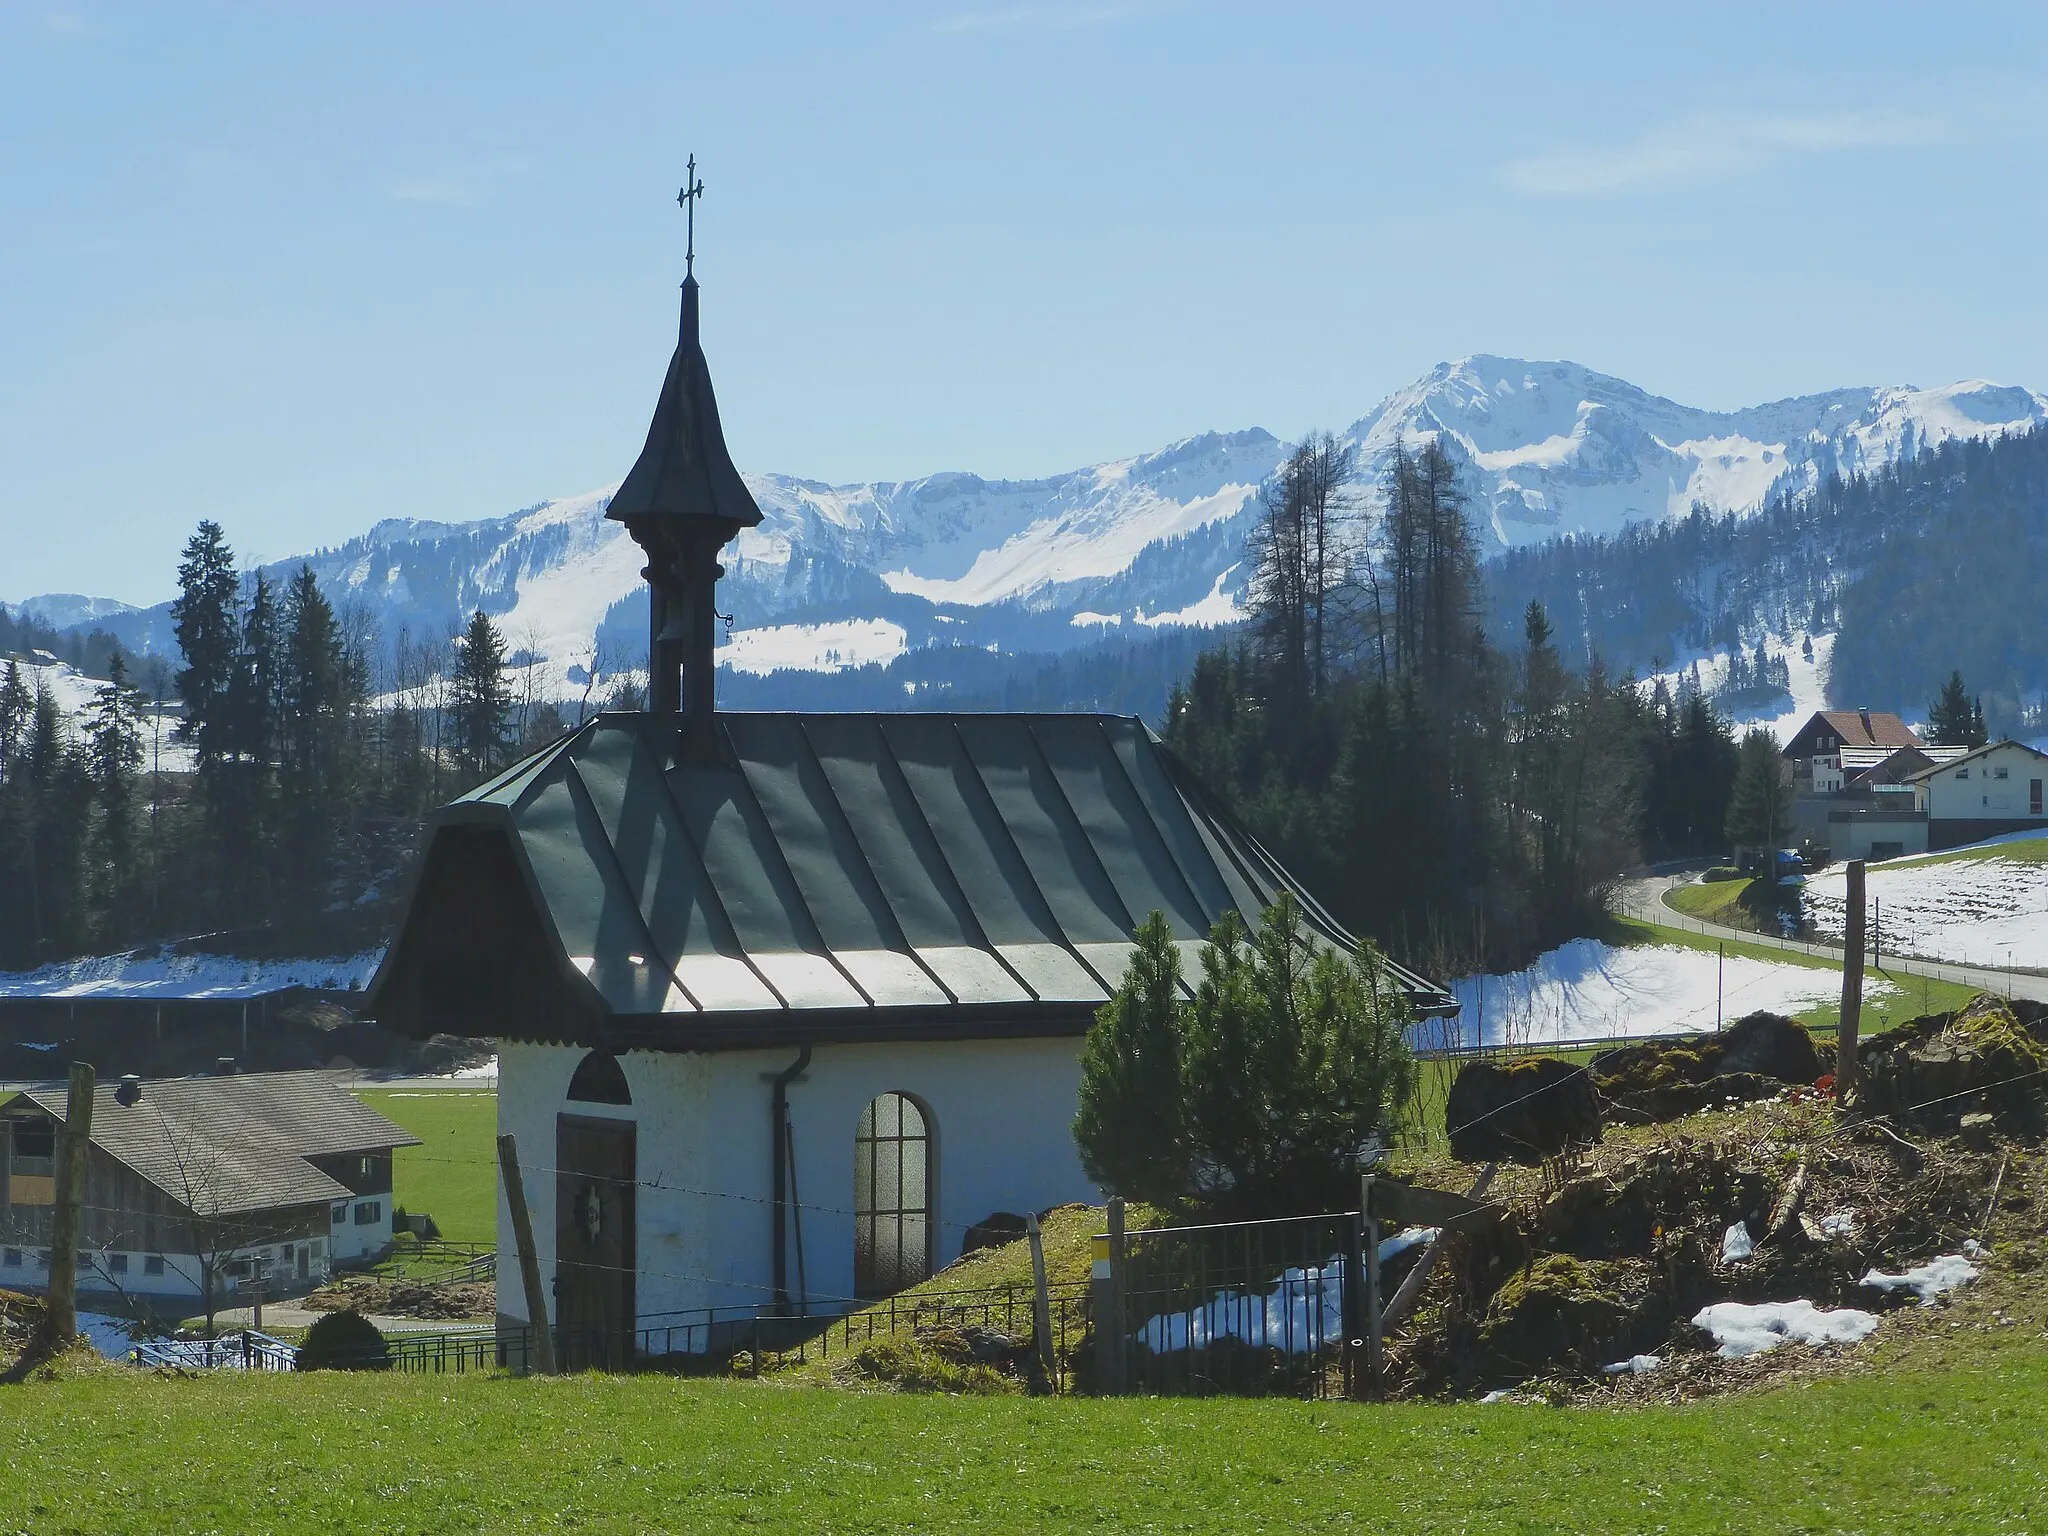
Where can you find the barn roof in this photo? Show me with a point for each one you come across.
(852, 876)
(226, 1145)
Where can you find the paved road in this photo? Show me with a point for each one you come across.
(1643, 899)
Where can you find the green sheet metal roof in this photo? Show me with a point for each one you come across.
(868, 867)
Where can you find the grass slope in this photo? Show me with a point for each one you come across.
(453, 1177)
(1965, 1449)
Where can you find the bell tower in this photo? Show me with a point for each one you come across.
(682, 502)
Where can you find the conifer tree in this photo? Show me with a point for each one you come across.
(206, 624)
(113, 754)
(1952, 721)
(1757, 801)
(480, 698)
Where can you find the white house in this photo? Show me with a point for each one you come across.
(786, 1002)
(1993, 790)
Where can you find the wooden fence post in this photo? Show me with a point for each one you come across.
(529, 1260)
(1852, 988)
(74, 1151)
(1041, 1303)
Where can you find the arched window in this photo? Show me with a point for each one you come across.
(892, 1196)
(600, 1079)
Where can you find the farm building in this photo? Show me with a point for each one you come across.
(786, 1003)
(271, 1177)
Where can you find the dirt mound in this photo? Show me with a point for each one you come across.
(459, 1302)
(1523, 1112)
(1614, 1261)
(1933, 1070)
(1754, 1058)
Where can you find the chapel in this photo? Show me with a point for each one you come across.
(785, 1004)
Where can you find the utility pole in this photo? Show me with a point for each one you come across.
(74, 1150)
(1852, 988)
(543, 1356)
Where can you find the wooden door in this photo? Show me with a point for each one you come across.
(594, 1247)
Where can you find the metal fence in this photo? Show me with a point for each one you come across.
(1251, 1308)
(745, 1341)
(243, 1351)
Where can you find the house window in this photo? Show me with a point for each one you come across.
(2033, 797)
(11, 1257)
(1962, 773)
(35, 1145)
(2001, 773)
(340, 1213)
(153, 1264)
(118, 1263)
(892, 1183)
(241, 1269)
(369, 1213)
(364, 1168)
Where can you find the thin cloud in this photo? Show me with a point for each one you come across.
(1053, 17)
(71, 24)
(1723, 144)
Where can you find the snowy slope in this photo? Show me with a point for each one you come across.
(1138, 544)
(74, 693)
(1558, 448)
(1976, 911)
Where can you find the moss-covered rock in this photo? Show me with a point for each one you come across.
(1520, 1111)
(1570, 1314)
(1936, 1069)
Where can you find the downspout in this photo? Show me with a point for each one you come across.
(778, 1142)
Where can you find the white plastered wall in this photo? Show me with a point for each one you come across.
(1001, 1114)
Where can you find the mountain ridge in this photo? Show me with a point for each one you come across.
(841, 576)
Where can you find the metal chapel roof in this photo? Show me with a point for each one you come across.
(854, 876)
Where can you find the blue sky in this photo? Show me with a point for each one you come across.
(300, 267)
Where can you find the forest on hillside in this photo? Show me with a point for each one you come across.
(1466, 798)
(1932, 566)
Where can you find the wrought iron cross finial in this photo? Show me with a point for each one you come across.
(687, 201)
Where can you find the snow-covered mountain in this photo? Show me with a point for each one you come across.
(837, 576)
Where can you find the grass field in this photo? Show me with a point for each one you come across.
(1717, 901)
(454, 1176)
(1964, 1449)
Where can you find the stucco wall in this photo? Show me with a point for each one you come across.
(1983, 796)
(1001, 1115)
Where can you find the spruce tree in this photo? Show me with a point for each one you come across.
(1757, 801)
(480, 698)
(312, 727)
(113, 753)
(1951, 721)
(205, 623)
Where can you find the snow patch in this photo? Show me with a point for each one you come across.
(1588, 990)
(1742, 1329)
(156, 973)
(1928, 1280)
(1303, 1312)
(829, 647)
(1989, 911)
(1736, 1244)
(1634, 1365)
